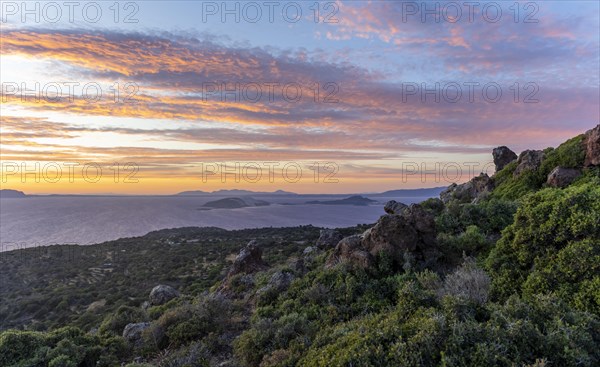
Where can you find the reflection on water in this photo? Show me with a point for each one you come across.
(35, 221)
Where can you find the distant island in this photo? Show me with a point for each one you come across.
(352, 200)
(7, 193)
(234, 203)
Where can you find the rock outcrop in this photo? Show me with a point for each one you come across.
(279, 282)
(592, 147)
(309, 251)
(162, 294)
(469, 191)
(411, 233)
(328, 238)
(562, 177)
(350, 249)
(248, 261)
(529, 160)
(503, 156)
(133, 333)
(394, 207)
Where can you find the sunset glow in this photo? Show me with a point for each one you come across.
(166, 96)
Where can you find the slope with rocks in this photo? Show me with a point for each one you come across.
(500, 271)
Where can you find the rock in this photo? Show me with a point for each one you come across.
(412, 232)
(394, 207)
(503, 156)
(96, 305)
(133, 333)
(529, 160)
(349, 249)
(310, 250)
(449, 194)
(592, 145)
(162, 294)
(298, 265)
(562, 177)
(280, 281)
(248, 261)
(328, 238)
(469, 191)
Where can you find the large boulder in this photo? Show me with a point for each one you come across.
(469, 191)
(248, 261)
(350, 249)
(411, 233)
(162, 294)
(133, 333)
(592, 145)
(328, 238)
(562, 177)
(394, 207)
(529, 160)
(503, 156)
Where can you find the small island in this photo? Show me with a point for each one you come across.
(11, 194)
(356, 200)
(233, 203)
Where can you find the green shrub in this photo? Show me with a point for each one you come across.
(68, 346)
(114, 324)
(554, 229)
(20, 346)
(470, 242)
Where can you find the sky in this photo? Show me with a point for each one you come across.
(158, 97)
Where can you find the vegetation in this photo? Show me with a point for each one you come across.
(553, 246)
(517, 284)
(570, 154)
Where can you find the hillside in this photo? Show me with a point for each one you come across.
(499, 271)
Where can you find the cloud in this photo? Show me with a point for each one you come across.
(537, 38)
(371, 121)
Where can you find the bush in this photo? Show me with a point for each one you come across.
(490, 216)
(182, 324)
(16, 346)
(114, 324)
(552, 242)
(468, 282)
(63, 347)
(470, 242)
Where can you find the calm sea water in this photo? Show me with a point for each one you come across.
(38, 221)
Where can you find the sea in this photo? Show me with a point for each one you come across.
(46, 220)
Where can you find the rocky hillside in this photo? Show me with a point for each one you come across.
(499, 271)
